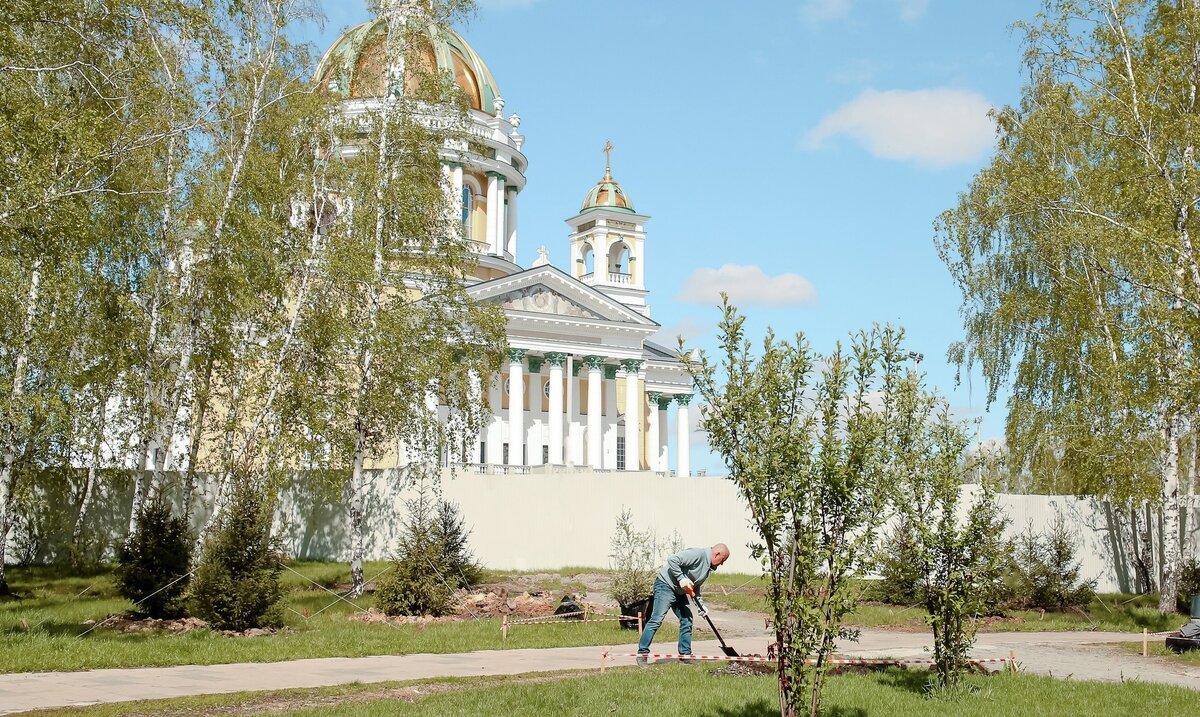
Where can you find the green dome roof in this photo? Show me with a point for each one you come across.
(356, 62)
(607, 194)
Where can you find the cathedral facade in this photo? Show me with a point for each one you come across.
(582, 386)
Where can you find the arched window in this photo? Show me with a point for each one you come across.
(468, 203)
(587, 259)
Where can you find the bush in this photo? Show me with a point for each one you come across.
(237, 584)
(1189, 583)
(1046, 570)
(154, 563)
(898, 562)
(432, 560)
(632, 562)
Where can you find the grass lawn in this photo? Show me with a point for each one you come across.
(683, 691)
(1109, 612)
(41, 630)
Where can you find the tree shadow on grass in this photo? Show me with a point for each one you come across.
(758, 708)
(765, 708)
(916, 681)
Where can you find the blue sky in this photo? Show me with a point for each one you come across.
(793, 153)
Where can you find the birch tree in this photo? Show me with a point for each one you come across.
(79, 115)
(394, 291)
(1075, 252)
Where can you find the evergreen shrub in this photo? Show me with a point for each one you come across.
(153, 564)
(432, 560)
(237, 583)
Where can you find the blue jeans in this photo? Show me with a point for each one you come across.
(665, 598)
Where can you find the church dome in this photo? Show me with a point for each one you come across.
(607, 194)
(354, 64)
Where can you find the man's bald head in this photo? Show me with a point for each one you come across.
(720, 553)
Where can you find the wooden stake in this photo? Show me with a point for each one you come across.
(1145, 642)
(603, 659)
(1012, 661)
(504, 630)
(586, 616)
(640, 627)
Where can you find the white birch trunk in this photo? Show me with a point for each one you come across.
(85, 502)
(145, 417)
(1172, 556)
(357, 514)
(12, 439)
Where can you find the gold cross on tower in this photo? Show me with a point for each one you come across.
(608, 148)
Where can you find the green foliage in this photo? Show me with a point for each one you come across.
(631, 558)
(1046, 569)
(955, 564)
(900, 575)
(432, 561)
(1074, 250)
(154, 564)
(808, 445)
(1189, 584)
(236, 586)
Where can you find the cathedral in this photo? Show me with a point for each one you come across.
(582, 388)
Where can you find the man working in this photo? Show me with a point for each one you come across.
(678, 580)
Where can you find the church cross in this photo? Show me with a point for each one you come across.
(608, 148)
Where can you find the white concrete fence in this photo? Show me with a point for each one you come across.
(547, 522)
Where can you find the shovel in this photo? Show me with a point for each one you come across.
(729, 651)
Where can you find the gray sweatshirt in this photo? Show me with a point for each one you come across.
(693, 563)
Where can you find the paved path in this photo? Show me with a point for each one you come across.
(1079, 655)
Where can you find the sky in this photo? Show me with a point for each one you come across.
(794, 154)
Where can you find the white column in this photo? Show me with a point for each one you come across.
(475, 396)
(652, 432)
(633, 416)
(512, 221)
(609, 418)
(456, 187)
(595, 438)
(664, 452)
(574, 440)
(682, 469)
(493, 206)
(535, 431)
(498, 217)
(516, 407)
(494, 435)
(555, 415)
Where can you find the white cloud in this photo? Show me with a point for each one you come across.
(911, 10)
(936, 127)
(689, 328)
(819, 11)
(746, 285)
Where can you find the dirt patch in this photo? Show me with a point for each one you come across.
(130, 624)
(133, 625)
(480, 603)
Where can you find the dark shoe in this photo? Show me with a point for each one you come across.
(642, 661)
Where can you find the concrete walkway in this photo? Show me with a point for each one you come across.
(1078, 655)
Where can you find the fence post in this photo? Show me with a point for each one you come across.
(1145, 642)
(504, 630)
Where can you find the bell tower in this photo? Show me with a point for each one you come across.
(608, 240)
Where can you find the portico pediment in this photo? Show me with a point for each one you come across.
(547, 290)
(541, 299)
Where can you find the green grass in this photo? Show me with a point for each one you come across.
(41, 630)
(1112, 612)
(683, 691)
